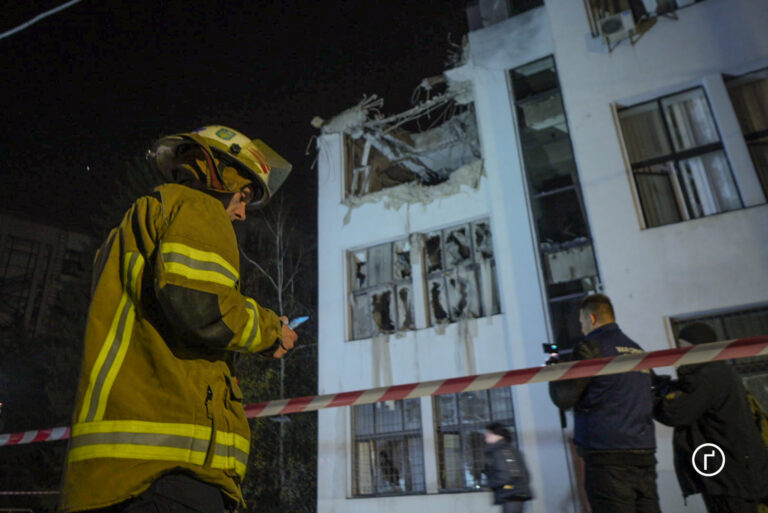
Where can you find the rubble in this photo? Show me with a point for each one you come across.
(412, 154)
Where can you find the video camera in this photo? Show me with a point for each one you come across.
(556, 353)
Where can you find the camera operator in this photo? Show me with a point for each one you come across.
(708, 404)
(614, 429)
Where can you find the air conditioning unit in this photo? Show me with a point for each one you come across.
(616, 27)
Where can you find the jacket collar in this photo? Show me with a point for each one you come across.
(605, 328)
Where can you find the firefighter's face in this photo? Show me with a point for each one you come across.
(237, 204)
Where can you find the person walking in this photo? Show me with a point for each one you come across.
(507, 473)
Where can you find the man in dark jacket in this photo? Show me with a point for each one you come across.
(506, 470)
(708, 404)
(614, 428)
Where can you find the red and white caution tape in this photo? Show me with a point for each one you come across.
(585, 368)
(727, 350)
(39, 435)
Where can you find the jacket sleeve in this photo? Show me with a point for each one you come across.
(566, 394)
(197, 286)
(497, 474)
(686, 403)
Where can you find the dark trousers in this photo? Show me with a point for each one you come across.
(620, 482)
(728, 504)
(176, 493)
(512, 507)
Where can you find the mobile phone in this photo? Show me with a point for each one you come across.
(298, 321)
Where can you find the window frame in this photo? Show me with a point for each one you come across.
(472, 264)
(673, 159)
(366, 291)
(403, 435)
(756, 137)
(463, 430)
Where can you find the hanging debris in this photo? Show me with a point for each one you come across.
(423, 145)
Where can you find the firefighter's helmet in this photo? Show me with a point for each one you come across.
(228, 159)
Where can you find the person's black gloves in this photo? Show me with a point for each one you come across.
(661, 384)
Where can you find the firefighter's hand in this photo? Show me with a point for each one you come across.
(287, 339)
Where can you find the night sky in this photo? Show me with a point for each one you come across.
(86, 90)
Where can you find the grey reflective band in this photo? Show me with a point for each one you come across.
(198, 264)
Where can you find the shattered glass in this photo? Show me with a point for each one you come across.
(359, 269)
(438, 302)
(463, 294)
(481, 231)
(434, 254)
(379, 264)
(383, 310)
(402, 251)
(361, 316)
(405, 318)
(458, 247)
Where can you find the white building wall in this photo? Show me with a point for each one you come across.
(700, 265)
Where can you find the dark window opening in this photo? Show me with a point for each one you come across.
(562, 229)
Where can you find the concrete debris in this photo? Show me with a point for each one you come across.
(382, 154)
(352, 119)
(413, 192)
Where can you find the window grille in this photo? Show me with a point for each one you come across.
(461, 420)
(678, 162)
(388, 455)
(749, 95)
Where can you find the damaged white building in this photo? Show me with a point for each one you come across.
(574, 147)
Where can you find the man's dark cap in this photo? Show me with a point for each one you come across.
(698, 333)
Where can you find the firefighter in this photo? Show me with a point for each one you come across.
(159, 423)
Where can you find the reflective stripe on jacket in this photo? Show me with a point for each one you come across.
(156, 393)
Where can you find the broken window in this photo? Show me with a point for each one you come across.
(382, 290)
(461, 273)
(388, 457)
(382, 153)
(368, 170)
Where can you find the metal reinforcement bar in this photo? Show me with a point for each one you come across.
(725, 350)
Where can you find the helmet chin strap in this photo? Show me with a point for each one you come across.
(214, 171)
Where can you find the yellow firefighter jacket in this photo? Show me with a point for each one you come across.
(156, 393)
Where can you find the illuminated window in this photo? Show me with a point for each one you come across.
(678, 163)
